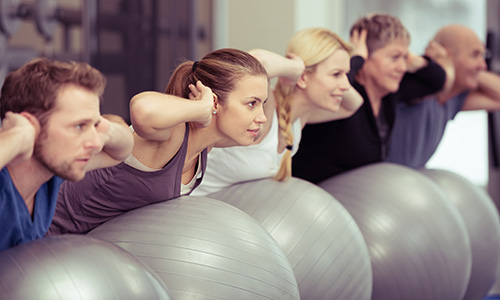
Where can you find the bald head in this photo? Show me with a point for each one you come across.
(467, 53)
(455, 37)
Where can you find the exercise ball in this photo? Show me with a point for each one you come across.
(417, 240)
(321, 240)
(203, 248)
(75, 267)
(483, 226)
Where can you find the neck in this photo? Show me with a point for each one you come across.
(200, 139)
(374, 93)
(300, 106)
(28, 176)
(443, 97)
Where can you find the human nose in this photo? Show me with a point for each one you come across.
(482, 64)
(93, 140)
(261, 116)
(345, 84)
(402, 65)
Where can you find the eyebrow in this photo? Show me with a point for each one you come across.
(255, 98)
(86, 120)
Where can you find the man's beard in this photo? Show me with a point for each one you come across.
(63, 170)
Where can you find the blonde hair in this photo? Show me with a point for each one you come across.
(312, 45)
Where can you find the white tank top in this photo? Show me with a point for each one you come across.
(227, 166)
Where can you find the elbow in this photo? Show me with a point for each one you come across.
(140, 114)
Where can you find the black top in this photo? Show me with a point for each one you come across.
(330, 148)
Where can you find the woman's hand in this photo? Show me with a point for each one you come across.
(207, 102)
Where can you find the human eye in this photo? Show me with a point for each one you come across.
(252, 104)
(80, 126)
(337, 74)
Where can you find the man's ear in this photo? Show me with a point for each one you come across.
(33, 120)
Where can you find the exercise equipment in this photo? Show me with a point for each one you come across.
(483, 226)
(45, 13)
(320, 238)
(204, 249)
(417, 239)
(10, 16)
(75, 267)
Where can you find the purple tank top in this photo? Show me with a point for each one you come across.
(106, 193)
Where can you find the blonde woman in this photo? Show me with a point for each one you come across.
(312, 87)
(387, 75)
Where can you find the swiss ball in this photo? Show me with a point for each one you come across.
(75, 267)
(203, 248)
(417, 240)
(323, 243)
(483, 226)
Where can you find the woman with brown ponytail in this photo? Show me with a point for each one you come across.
(215, 102)
(312, 87)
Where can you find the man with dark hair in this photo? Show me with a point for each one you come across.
(52, 130)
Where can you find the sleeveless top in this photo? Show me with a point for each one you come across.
(106, 193)
(227, 166)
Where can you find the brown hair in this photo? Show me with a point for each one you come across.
(312, 45)
(381, 30)
(34, 87)
(220, 70)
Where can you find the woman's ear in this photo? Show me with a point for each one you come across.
(216, 101)
(33, 120)
(301, 83)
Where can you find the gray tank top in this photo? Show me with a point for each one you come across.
(106, 193)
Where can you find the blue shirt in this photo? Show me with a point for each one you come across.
(419, 128)
(16, 224)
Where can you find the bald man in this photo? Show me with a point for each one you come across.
(419, 127)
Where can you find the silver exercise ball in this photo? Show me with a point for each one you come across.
(75, 267)
(320, 238)
(204, 249)
(483, 226)
(417, 240)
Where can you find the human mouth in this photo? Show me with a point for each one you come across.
(254, 132)
(83, 161)
(338, 98)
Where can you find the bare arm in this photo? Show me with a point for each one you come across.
(155, 114)
(351, 102)
(118, 142)
(17, 138)
(487, 95)
(288, 69)
(441, 56)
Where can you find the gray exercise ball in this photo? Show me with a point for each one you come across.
(320, 238)
(417, 240)
(483, 226)
(203, 248)
(75, 267)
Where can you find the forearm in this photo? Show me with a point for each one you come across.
(11, 142)
(352, 100)
(279, 66)
(487, 95)
(152, 111)
(489, 84)
(120, 141)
